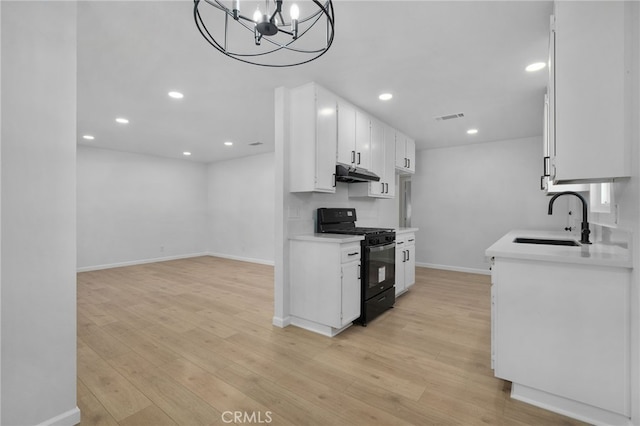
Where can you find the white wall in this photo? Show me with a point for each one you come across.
(135, 208)
(38, 215)
(241, 205)
(467, 197)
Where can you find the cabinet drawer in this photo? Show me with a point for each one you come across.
(350, 253)
(410, 240)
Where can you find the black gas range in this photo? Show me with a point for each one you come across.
(377, 265)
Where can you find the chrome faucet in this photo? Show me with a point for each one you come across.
(585, 224)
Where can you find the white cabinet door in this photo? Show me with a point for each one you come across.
(377, 189)
(326, 142)
(410, 263)
(590, 97)
(363, 140)
(313, 132)
(400, 141)
(350, 309)
(564, 329)
(389, 162)
(405, 153)
(493, 314)
(410, 153)
(354, 136)
(546, 180)
(346, 133)
(405, 262)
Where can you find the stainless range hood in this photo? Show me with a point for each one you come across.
(354, 174)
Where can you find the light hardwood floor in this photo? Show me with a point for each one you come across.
(186, 342)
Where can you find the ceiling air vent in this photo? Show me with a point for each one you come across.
(449, 116)
(255, 143)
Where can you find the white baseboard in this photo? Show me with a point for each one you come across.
(138, 262)
(242, 259)
(69, 418)
(281, 322)
(455, 268)
(567, 407)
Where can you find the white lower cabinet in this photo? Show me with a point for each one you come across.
(325, 284)
(405, 262)
(560, 333)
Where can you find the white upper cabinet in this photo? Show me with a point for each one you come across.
(405, 154)
(589, 91)
(389, 173)
(326, 130)
(363, 140)
(546, 183)
(346, 133)
(314, 139)
(354, 136)
(383, 146)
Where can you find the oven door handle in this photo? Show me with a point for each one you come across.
(381, 248)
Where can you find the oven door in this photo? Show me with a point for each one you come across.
(379, 269)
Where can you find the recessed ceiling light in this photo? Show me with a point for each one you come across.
(186, 153)
(472, 131)
(88, 137)
(176, 95)
(122, 120)
(385, 96)
(535, 67)
(228, 143)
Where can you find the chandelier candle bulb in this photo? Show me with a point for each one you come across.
(295, 14)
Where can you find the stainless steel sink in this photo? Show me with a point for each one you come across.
(546, 241)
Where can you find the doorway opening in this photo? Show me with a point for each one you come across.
(405, 201)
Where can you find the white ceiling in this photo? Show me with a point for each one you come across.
(435, 57)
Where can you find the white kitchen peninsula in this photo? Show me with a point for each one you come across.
(560, 318)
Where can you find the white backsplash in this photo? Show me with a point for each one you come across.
(370, 212)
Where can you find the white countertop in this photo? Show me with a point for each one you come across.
(599, 254)
(405, 230)
(328, 238)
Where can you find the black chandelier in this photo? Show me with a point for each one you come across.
(267, 39)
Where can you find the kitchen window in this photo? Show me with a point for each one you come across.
(602, 205)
